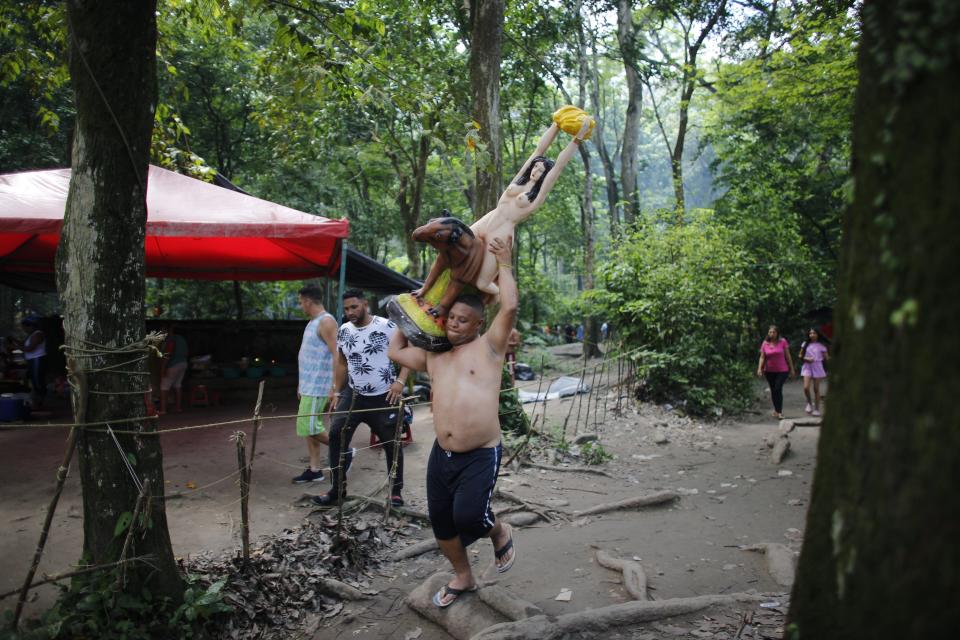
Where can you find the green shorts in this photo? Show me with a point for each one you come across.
(309, 423)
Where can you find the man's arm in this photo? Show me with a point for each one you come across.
(327, 331)
(396, 387)
(404, 355)
(499, 332)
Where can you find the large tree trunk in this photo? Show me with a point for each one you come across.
(486, 34)
(627, 38)
(881, 553)
(100, 276)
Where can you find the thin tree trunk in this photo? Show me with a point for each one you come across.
(100, 272)
(880, 554)
(486, 35)
(627, 39)
(606, 160)
(590, 347)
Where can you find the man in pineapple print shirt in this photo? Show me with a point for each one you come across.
(363, 378)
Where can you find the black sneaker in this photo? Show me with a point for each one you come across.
(308, 476)
(396, 501)
(325, 500)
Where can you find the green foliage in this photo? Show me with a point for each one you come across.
(593, 453)
(93, 607)
(685, 295)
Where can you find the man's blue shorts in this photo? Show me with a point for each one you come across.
(460, 490)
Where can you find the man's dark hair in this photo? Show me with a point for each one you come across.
(471, 300)
(459, 227)
(312, 292)
(354, 293)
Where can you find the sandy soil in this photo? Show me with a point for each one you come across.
(731, 495)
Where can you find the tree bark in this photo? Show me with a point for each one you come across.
(486, 35)
(627, 39)
(591, 347)
(880, 555)
(606, 160)
(100, 274)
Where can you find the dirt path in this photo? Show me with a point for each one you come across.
(731, 496)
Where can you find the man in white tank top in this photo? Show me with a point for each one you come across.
(315, 372)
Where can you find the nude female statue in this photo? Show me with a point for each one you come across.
(516, 204)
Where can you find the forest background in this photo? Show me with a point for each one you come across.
(707, 205)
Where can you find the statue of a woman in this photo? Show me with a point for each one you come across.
(523, 196)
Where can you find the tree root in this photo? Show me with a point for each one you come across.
(417, 549)
(781, 561)
(511, 606)
(640, 501)
(595, 621)
(341, 590)
(634, 578)
(550, 467)
(780, 449)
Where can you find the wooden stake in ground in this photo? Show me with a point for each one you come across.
(257, 422)
(241, 439)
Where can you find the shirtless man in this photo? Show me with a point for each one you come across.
(463, 465)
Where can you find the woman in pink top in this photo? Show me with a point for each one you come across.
(776, 364)
(813, 353)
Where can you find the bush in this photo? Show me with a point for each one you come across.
(682, 298)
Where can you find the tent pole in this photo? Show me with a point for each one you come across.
(343, 279)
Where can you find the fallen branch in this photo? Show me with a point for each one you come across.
(339, 589)
(79, 572)
(365, 502)
(634, 579)
(640, 501)
(527, 504)
(550, 467)
(594, 621)
(781, 561)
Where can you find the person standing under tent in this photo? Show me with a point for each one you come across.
(315, 378)
(366, 391)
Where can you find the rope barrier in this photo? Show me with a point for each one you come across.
(107, 423)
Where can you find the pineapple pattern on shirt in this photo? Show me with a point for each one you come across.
(365, 349)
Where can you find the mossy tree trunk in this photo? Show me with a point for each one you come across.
(881, 557)
(100, 275)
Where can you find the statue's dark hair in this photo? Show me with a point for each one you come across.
(312, 292)
(525, 176)
(459, 227)
(471, 300)
(354, 293)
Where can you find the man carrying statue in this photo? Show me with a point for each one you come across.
(441, 333)
(463, 465)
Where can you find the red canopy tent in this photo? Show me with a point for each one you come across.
(195, 230)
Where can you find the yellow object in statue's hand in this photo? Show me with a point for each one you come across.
(570, 119)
